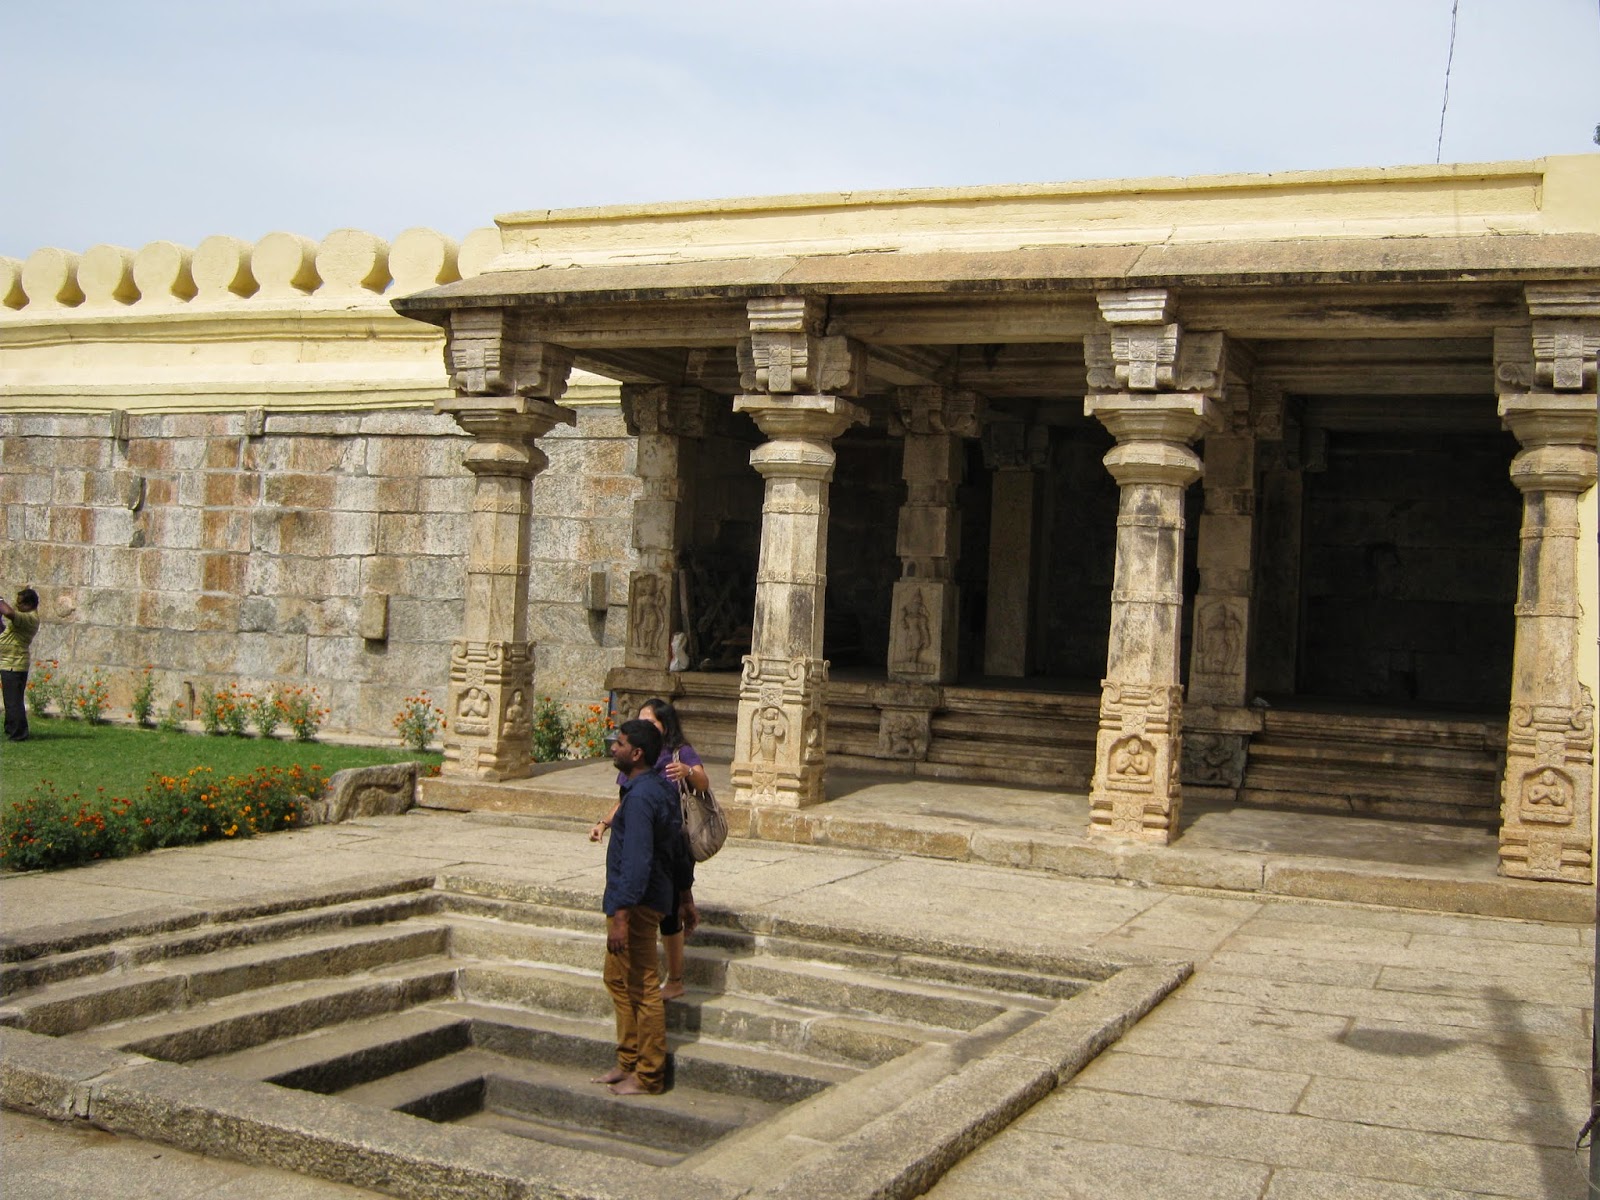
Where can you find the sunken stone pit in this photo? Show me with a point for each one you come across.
(434, 1036)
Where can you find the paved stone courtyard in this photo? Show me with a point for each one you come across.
(1320, 1049)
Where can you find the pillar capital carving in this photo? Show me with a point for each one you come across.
(1557, 432)
(936, 410)
(787, 351)
(495, 362)
(656, 408)
(810, 417)
(504, 443)
(1175, 417)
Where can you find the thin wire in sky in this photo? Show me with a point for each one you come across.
(1438, 151)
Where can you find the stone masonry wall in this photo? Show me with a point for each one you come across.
(234, 548)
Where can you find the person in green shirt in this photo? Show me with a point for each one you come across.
(21, 622)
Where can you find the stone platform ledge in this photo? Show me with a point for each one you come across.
(548, 796)
(899, 1154)
(82, 935)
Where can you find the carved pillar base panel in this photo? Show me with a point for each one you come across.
(491, 707)
(1547, 794)
(778, 749)
(1136, 792)
(634, 685)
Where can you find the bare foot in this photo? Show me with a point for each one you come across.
(628, 1085)
(671, 989)
(615, 1075)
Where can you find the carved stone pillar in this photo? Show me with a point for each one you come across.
(922, 637)
(507, 384)
(1275, 632)
(1214, 745)
(1548, 400)
(1016, 453)
(796, 381)
(660, 418)
(1166, 381)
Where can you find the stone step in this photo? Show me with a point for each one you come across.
(572, 1139)
(739, 1069)
(325, 1060)
(175, 983)
(804, 1130)
(50, 968)
(1051, 982)
(814, 1033)
(253, 1018)
(840, 989)
(680, 1120)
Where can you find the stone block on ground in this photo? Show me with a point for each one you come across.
(385, 790)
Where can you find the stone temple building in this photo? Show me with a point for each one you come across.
(1271, 488)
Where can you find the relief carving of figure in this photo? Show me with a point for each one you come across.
(472, 712)
(1221, 639)
(769, 728)
(1547, 796)
(902, 735)
(516, 713)
(1133, 759)
(918, 633)
(649, 613)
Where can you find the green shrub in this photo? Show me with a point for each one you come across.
(304, 711)
(44, 687)
(549, 731)
(48, 829)
(418, 720)
(172, 720)
(144, 697)
(89, 698)
(266, 712)
(586, 732)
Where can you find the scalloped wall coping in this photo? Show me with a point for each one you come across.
(347, 269)
(286, 323)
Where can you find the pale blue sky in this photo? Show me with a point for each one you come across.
(126, 122)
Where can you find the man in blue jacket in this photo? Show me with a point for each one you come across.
(646, 836)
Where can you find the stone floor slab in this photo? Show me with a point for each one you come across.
(1210, 1083)
(1043, 1167)
(1501, 1114)
(1335, 1147)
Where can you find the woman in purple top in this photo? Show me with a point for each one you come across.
(678, 762)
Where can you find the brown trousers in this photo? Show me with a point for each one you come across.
(635, 987)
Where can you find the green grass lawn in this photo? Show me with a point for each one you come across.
(78, 757)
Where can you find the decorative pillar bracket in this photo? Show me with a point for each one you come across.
(1547, 375)
(507, 384)
(1165, 385)
(779, 745)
